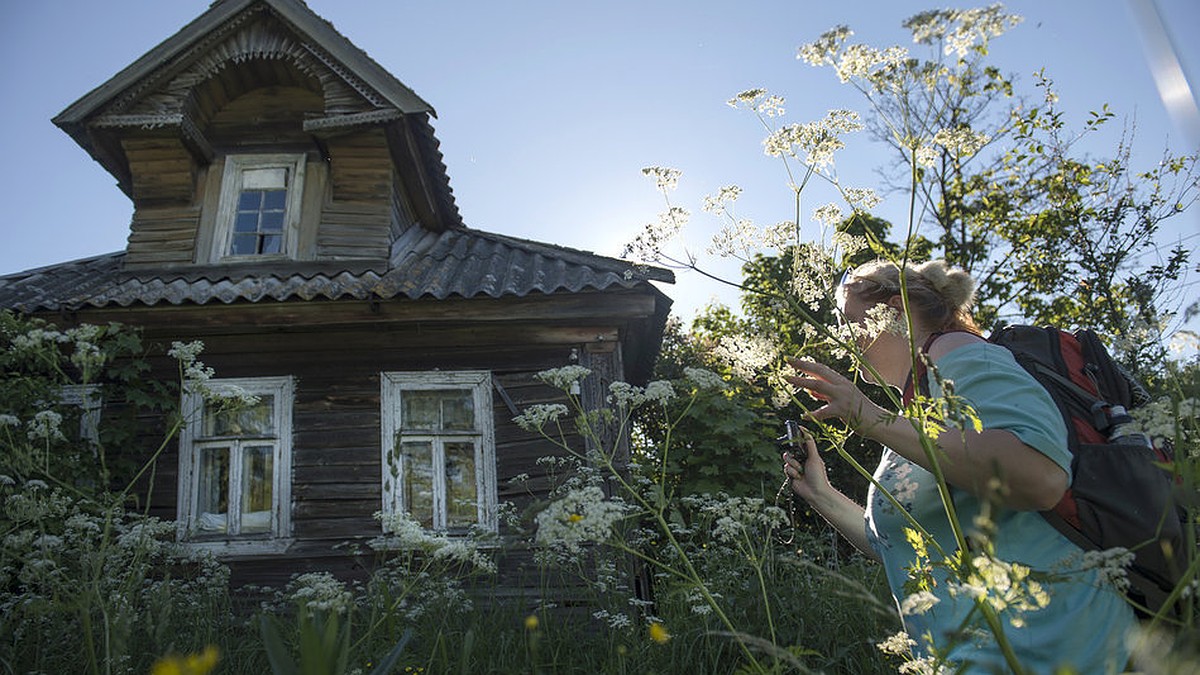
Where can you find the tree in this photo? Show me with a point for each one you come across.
(1053, 235)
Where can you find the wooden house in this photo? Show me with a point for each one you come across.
(292, 211)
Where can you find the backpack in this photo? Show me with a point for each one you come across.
(1120, 495)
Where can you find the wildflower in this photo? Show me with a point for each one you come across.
(758, 101)
(531, 622)
(649, 244)
(737, 239)
(1004, 586)
(1112, 565)
(627, 396)
(829, 44)
(961, 31)
(925, 155)
(1184, 341)
(704, 379)
(665, 178)
(463, 551)
(230, 396)
(45, 426)
(1164, 419)
(863, 199)
(849, 244)
(882, 319)
(615, 620)
(192, 664)
(813, 269)
(829, 214)
(9, 421)
(320, 591)
(747, 355)
(817, 140)
(897, 645)
(715, 204)
(659, 633)
(659, 391)
(699, 604)
(557, 529)
(185, 352)
(537, 416)
(926, 665)
(36, 338)
(961, 140)
(563, 378)
(780, 235)
(918, 603)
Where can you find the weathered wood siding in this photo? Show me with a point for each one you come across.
(336, 414)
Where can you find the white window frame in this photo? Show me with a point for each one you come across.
(279, 537)
(231, 188)
(392, 385)
(89, 400)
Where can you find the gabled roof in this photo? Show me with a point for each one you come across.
(294, 12)
(460, 262)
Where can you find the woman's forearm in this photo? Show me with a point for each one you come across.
(980, 462)
(845, 516)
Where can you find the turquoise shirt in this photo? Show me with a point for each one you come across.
(1086, 623)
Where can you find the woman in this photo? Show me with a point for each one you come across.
(1000, 477)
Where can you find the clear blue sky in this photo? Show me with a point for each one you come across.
(547, 110)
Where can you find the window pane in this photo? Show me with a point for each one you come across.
(458, 411)
(418, 480)
(246, 222)
(212, 490)
(257, 479)
(250, 200)
(244, 244)
(222, 419)
(274, 200)
(271, 243)
(271, 221)
(461, 499)
(420, 409)
(438, 410)
(273, 178)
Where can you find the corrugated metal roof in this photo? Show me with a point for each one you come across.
(457, 262)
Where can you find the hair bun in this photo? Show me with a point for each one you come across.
(954, 284)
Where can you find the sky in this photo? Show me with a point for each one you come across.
(548, 110)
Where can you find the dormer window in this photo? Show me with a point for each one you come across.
(259, 212)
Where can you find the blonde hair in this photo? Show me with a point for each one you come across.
(940, 296)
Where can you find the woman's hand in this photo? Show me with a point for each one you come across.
(807, 475)
(842, 399)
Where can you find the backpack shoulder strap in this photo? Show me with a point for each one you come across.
(918, 380)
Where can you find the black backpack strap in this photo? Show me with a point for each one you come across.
(921, 381)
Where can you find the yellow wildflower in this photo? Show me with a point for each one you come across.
(658, 633)
(531, 622)
(192, 664)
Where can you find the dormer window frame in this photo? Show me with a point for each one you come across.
(238, 168)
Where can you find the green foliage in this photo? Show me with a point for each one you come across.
(73, 561)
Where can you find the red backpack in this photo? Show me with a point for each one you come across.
(1122, 489)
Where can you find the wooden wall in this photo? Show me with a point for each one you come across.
(354, 205)
(336, 417)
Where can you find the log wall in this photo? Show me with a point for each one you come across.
(336, 471)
